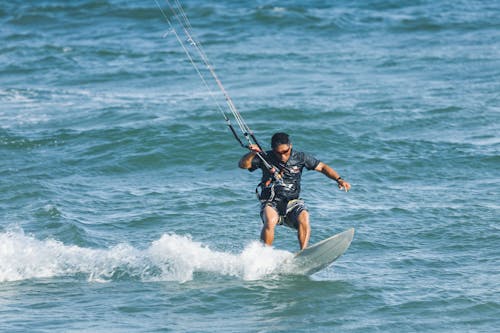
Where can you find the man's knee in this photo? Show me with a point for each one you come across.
(271, 223)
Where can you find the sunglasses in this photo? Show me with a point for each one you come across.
(284, 152)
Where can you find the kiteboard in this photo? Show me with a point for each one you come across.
(320, 255)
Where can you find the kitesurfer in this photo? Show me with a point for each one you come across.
(280, 201)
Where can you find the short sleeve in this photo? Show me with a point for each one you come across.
(256, 164)
(310, 162)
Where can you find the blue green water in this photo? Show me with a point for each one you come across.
(122, 208)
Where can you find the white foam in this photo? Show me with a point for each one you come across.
(170, 258)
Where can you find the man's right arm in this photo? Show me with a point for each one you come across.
(246, 161)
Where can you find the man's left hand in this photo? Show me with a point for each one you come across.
(343, 185)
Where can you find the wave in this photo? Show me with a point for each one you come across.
(170, 258)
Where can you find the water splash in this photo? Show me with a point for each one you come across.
(170, 258)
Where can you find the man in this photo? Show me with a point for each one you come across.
(280, 202)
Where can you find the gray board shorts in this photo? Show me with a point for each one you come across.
(288, 211)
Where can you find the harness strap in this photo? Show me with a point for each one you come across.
(267, 184)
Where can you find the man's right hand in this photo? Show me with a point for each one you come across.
(246, 161)
(254, 148)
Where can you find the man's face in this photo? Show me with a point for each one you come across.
(283, 152)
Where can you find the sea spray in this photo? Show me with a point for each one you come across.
(170, 258)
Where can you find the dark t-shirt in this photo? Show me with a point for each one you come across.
(291, 171)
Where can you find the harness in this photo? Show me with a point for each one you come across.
(263, 186)
(268, 186)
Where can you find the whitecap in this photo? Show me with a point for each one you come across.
(170, 258)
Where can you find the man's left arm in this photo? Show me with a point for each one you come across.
(332, 174)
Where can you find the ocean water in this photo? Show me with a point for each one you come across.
(122, 208)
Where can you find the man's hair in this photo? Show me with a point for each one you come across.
(280, 138)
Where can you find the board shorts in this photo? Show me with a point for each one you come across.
(288, 211)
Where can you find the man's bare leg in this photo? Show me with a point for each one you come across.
(271, 218)
(304, 229)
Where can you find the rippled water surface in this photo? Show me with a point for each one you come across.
(122, 208)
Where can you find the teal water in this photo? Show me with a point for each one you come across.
(122, 207)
